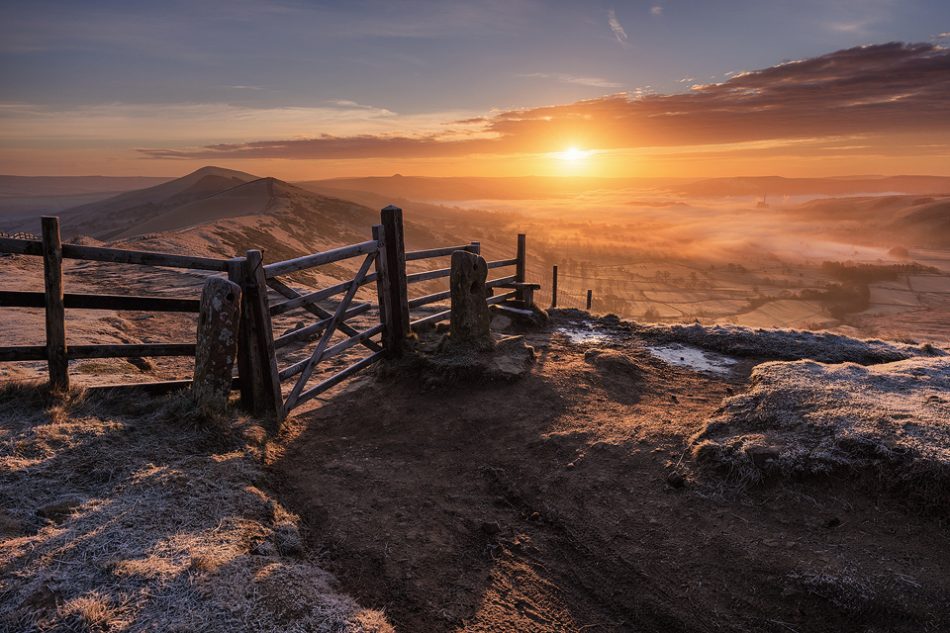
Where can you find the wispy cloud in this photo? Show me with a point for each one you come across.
(349, 104)
(656, 10)
(580, 80)
(24, 124)
(856, 26)
(616, 27)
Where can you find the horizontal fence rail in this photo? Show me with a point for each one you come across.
(440, 252)
(428, 275)
(427, 299)
(312, 297)
(501, 281)
(500, 263)
(289, 293)
(436, 297)
(18, 299)
(319, 259)
(330, 352)
(116, 255)
(81, 352)
(308, 331)
(130, 350)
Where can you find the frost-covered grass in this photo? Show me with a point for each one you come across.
(133, 515)
(784, 344)
(890, 422)
(757, 343)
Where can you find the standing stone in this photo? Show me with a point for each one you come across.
(218, 322)
(471, 319)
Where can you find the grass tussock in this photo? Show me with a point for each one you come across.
(123, 512)
(885, 425)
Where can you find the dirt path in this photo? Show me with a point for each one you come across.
(548, 505)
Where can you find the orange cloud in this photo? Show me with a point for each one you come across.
(870, 91)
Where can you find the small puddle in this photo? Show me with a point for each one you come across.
(693, 358)
(584, 334)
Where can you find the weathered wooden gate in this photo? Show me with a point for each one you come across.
(384, 262)
(262, 348)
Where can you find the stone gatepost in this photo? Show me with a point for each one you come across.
(218, 322)
(470, 317)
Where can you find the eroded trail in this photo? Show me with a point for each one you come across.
(559, 503)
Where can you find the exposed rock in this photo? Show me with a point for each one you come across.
(218, 323)
(470, 318)
(506, 358)
(613, 361)
(518, 313)
(500, 322)
(511, 358)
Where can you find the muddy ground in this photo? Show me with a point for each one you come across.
(567, 501)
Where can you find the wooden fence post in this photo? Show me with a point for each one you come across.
(261, 362)
(397, 313)
(590, 299)
(475, 247)
(520, 267)
(236, 275)
(56, 356)
(383, 292)
(554, 287)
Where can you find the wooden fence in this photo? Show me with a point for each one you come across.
(57, 352)
(259, 373)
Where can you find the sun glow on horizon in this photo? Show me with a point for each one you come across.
(573, 154)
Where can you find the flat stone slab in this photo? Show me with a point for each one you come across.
(507, 359)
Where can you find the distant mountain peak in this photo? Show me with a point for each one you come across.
(214, 170)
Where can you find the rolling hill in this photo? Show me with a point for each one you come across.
(225, 212)
(921, 221)
(123, 214)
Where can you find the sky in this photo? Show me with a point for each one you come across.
(301, 89)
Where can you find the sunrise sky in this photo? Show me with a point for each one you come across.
(304, 90)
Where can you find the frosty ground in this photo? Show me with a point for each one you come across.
(613, 488)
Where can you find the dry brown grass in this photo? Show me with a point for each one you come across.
(127, 513)
(92, 612)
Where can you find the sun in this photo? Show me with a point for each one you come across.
(573, 155)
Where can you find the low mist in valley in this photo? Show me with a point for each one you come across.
(874, 264)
